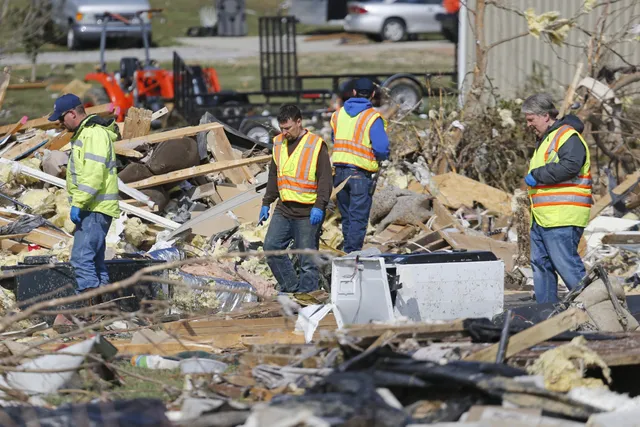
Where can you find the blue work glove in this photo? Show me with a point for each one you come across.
(530, 180)
(316, 216)
(75, 215)
(264, 214)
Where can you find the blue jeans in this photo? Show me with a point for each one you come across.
(555, 250)
(354, 203)
(87, 254)
(304, 236)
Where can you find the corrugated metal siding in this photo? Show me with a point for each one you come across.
(511, 64)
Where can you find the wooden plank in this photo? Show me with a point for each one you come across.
(26, 86)
(12, 129)
(137, 123)
(605, 201)
(503, 250)
(44, 123)
(156, 219)
(192, 172)
(26, 147)
(131, 144)
(58, 141)
(371, 331)
(536, 334)
(207, 326)
(41, 236)
(4, 84)
(13, 236)
(159, 113)
(219, 146)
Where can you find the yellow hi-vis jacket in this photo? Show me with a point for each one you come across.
(92, 178)
(567, 203)
(297, 181)
(351, 141)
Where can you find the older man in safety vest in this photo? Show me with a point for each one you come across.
(559, 181)
(359, 142)
(300, 175)
(92, 184)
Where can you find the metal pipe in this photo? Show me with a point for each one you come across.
(504, 338)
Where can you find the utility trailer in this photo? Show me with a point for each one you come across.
(281, 82)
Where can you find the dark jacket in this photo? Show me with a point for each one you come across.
(572, 155)
(293, 210)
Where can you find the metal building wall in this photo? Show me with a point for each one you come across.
(511, 64)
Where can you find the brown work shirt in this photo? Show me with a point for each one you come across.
(294, 210)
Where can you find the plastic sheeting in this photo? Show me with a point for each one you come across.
(24, 224)
(229, 301)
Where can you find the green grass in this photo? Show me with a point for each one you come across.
(240, 75)
(132, 387)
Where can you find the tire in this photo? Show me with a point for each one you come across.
(95, 96)
(393, 30)
(404, 92)
(257, 131)
(72, 40)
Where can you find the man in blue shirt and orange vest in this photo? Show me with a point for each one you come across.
(559, 181)
(360, 142)
(300, 175)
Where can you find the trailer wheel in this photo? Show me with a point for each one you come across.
(257, 131)
(404, 91)
(95, 96)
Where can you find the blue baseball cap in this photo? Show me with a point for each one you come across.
(363, 84)
(63, 104)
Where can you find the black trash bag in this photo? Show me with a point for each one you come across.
(23, 225)
(121, 413)
(343, 399)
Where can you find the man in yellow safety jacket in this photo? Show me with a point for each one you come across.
(300, 175)
(92, 184)
(360, 142)
(559, 182)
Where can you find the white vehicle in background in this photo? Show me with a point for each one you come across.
(82, 20)
(393, 20)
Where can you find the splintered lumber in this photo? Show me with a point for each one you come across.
(605, 201)
(536, 334)
(11, 129)
(192, 172)
(156, 219)
(4, 83)
(125, 146)
(44, 123)
(41, 236)
(27, 147)
(58, 141)
(219, 146)
(137, 123)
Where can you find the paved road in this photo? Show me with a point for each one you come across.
(215, 49)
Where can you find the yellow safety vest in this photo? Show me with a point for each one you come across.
(352, 144)
(297, 180)
(567, 203)
(92, 177)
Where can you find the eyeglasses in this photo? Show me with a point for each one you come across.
(61, 119)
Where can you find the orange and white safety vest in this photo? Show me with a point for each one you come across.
(567, 203)
(352, 144)
(297, 181)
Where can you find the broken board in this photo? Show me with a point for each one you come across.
(137, 123)
(218, 144)
(44, 123)
(455, 191)
(42, 236)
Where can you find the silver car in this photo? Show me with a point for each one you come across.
(82, 20)
(393, 20)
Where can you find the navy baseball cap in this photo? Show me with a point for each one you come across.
(63, 104)
(363, 84)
